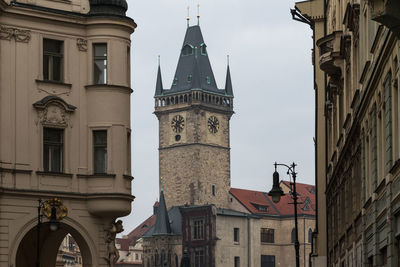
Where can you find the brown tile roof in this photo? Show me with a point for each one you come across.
(260, 203)
(124, 243)
(140, 230)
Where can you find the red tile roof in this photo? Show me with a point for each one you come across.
(257, 202)
(124, 243)
(145, 226)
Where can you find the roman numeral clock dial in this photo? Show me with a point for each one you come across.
(213, 124)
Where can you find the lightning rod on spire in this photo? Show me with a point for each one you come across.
(188, 16)
(198, 14)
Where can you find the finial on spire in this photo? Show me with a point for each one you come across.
(159, 60)
(227, 59)
(188, 16)
(198, 14)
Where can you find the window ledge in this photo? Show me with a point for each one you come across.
(69, 85)
(60, 174)
(110, 87)
(97, 175)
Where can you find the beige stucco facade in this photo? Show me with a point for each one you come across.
(75, 107)
(250, 248)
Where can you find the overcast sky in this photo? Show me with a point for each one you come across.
(270, 61)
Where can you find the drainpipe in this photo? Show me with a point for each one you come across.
(249, 243)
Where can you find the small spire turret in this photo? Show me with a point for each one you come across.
(228, 83)
(159, 84)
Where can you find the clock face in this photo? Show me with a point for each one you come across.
(213, 124)
(178, 123)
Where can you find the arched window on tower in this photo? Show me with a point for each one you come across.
(187, 50)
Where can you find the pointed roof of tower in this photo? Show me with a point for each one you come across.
(162, 225)
(194, 69)
(159, 85)
(228, 83)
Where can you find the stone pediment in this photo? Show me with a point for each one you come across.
(53, 110)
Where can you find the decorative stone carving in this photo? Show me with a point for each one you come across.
(7, 33)
(54, 111)
(82, 44)
(112, 251)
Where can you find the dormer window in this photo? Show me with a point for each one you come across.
(203, 49)
(187, 50)
(208, 80)
(175, 82)
(189, 78)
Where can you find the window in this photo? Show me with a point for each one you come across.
(52, 60)
(293, 239)
(374, 149)
(310, 235)
(237, 261)
(100, 151)
(187, 50)
(199, 258)
(388, 122)
(189, 78)
(267, 261)
(53, 146)
(100, 63)
(213, 190)
(198, 229)
(175, 82)
(267, 235)
(203, 49)
(236, 235)
(208, 80)
(136, 256)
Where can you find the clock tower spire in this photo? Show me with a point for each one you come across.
(194, 115)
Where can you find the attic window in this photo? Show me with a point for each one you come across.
(311, 190)
(187, 50)
(262, 208)
(307, 204)
(175, 81)
(203, 49)
(208, 80)
(189, 78)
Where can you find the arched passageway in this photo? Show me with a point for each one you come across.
(49, 246)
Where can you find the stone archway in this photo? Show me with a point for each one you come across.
(49, 245)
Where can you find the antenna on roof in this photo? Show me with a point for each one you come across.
(188, 17)
(198, 14)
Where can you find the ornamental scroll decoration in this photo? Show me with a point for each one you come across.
(82, 44)
(7, 33)
(54, 111)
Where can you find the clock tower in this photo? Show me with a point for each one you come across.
(194, 114)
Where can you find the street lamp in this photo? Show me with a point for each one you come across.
(276, 193)
(55, 211)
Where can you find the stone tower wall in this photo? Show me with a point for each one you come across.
(200, 159)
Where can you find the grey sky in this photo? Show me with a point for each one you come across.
(270, 60)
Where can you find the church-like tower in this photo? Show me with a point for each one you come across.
(194, 150)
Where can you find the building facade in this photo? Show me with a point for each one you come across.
(201, 220)
(65, 128)
(358, 52)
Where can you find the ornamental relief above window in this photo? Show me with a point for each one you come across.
(54, 111)
(7, 33)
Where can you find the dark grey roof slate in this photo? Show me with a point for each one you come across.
(228, 83)
(162, 225)
(194, 70)
(108, 7)
(175, 222)
(159, 85)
